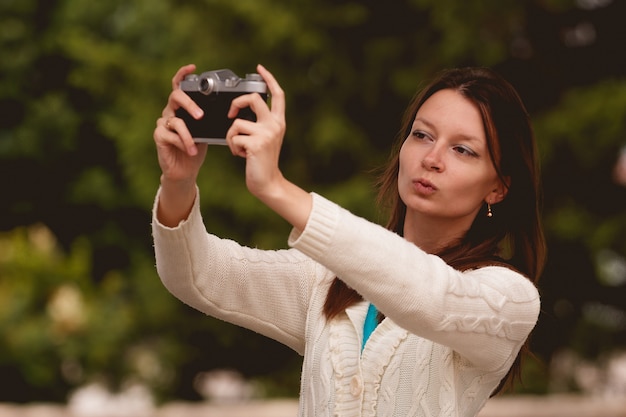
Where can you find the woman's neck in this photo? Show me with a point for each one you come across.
(432, 234)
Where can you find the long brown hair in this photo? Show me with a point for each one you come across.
(513, 236)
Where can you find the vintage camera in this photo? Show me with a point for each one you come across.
(213, 91)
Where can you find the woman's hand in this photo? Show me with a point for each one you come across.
(260, 143)
(179, 157)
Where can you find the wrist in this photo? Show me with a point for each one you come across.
(289, 201)
(272, 192)
(185, 184)
(176, 200)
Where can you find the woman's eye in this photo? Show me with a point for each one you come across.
(464, 151)
(420, 134)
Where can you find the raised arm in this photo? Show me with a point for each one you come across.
(483, 314)
(259, 143)
(179, 157)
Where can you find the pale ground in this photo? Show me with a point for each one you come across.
(516, 406)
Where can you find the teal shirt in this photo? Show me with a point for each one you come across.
(371, 322)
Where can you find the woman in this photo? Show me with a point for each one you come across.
(425, 317)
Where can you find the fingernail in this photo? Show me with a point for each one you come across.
(198, 113)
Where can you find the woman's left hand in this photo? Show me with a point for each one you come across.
(259, 142)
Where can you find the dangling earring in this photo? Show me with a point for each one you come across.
(489, 212)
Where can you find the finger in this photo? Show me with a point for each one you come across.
(277, 93)
(177, 99)
(237, 144)
(174, 131)
(181, 74)
(254, 101)
(243, 127)
(242, 137)
(178, 126)
(165, 138)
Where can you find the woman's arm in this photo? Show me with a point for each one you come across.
(179, 157)
(484, 314)
(260, 143)
(268, 292)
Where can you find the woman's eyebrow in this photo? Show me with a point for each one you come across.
(426, 122)
(464, 136)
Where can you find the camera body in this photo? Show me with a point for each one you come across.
(214, 91)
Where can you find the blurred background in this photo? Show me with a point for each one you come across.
(82, 84)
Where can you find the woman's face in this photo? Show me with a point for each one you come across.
(445, 169)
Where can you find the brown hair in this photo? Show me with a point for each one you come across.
(513, 236)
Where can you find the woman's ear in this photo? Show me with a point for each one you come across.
(499, 192)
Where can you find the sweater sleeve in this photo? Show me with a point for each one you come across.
(485, 314)
(265, 291)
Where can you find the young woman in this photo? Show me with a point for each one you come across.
(426, 316)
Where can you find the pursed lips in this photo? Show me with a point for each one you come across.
(424, 186)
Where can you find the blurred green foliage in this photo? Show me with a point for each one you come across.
(81, 88)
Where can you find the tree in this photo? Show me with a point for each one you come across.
(83, 83)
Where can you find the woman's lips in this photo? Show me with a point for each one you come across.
(423, 186)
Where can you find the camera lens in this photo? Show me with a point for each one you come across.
(206, 85)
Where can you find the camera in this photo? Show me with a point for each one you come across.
(214, 91)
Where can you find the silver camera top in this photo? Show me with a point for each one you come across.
(223, 80)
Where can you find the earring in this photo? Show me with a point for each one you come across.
(489, 212)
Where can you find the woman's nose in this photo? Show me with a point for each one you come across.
(432, 160)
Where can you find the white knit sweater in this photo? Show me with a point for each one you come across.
(448, 338)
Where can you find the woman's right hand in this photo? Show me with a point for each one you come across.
(180, 158)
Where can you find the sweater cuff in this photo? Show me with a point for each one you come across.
(318, 232)
(193, 217)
